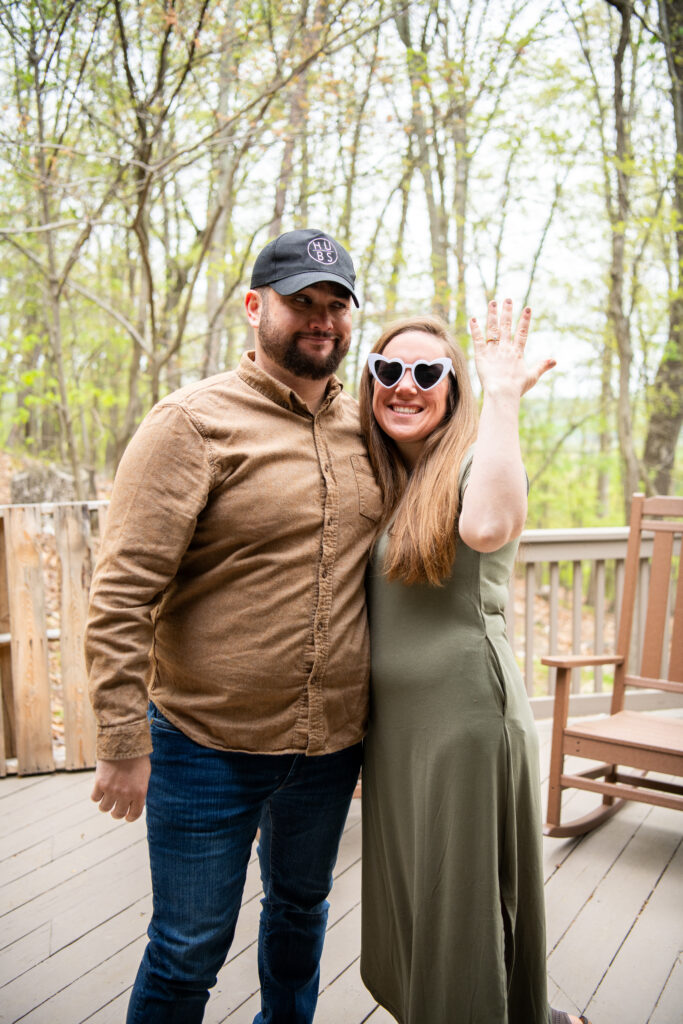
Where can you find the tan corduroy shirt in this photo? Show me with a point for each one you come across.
(229, 586)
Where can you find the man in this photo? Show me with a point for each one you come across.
(229, 593)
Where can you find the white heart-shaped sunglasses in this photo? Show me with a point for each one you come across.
(426, 373)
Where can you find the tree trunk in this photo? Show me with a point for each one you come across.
(462, 170)
(605, 436)
(619, 214)
(344, 229)
(297, 114)
(438, 218)
(298, 108)
(398, 261)
(666, 417)
(133, 407)
(52, 302)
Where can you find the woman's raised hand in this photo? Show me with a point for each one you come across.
(499, 357)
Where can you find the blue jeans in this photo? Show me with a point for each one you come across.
(203, 809)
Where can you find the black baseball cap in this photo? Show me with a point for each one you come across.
(300, 258)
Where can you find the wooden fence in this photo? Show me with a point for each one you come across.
(46, 557)
(564, 598)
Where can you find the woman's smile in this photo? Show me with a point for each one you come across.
(404, 410)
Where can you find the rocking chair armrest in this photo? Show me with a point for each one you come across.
(581, 660)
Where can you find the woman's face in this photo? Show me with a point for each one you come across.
(404, 412)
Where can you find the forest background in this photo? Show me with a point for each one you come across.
(460, 150)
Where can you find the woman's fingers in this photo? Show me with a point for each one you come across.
(506, 321)
(497, 331)
(477, 335)
(499, 334)
(492, 329)
(537, 372)
(522, 332)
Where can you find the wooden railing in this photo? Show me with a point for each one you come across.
(564, 598)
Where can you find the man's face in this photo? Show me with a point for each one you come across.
(308, 333)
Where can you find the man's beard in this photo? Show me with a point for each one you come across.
(287, 354)
(301, 364)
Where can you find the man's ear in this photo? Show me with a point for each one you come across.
(253, 305)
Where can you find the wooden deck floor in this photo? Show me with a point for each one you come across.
(75, 903)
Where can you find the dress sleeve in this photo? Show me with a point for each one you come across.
(161, 486)
(465, 470)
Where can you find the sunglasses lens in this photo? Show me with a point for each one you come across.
(427, 376)
(388, 372)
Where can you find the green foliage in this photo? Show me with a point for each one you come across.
(142, 163)
(560, 445)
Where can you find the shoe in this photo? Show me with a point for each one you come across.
(560, 1017)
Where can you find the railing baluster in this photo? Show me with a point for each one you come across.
(577, 611)
(553, 632)
(599, 641)
(530, 599)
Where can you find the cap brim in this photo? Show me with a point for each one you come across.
(289, 285)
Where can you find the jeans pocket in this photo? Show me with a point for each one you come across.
(155, 718)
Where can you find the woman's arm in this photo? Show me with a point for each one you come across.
(494, 504)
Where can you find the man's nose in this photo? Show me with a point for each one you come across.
(321, 317)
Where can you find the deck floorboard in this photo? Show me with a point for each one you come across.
(75, 903)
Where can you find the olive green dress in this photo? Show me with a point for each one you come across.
(453, 912)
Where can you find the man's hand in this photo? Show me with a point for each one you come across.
(121, 786)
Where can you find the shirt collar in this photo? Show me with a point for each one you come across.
(279, 393)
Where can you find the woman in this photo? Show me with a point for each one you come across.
(453, 911)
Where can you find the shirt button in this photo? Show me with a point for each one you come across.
(327, 467)
(324, 574)
(319, 626)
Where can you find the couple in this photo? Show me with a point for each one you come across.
(228, 649)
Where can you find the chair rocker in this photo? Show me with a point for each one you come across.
(637, 740)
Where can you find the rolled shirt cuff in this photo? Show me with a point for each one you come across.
(118, 742)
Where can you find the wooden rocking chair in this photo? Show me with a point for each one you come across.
(636, 739)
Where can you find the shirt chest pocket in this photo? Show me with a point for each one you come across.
(369, 498)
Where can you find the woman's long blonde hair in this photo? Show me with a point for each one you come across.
(425, 503)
